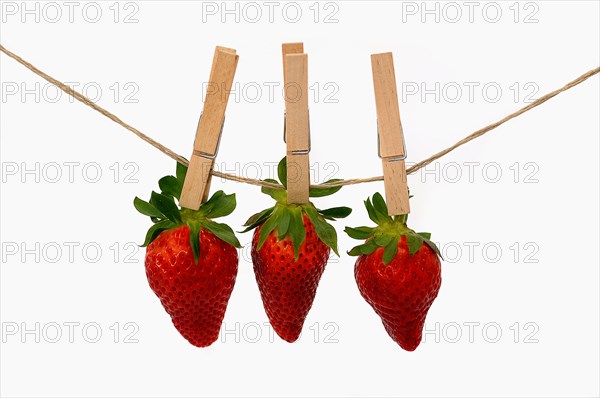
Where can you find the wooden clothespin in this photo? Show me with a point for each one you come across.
(297, 131)
(210, 126)
(392, 150)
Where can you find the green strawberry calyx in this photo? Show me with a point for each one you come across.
(287, 218)
(387, 233)
(164, 211)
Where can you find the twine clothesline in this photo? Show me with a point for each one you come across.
(172, 154)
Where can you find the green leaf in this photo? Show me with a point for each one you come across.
(381, 208)
(146, 208)
(284, 223)
(210, 204)
(296, 230)
(336, 212)
(166, 206)
(155, 230)
(282, 171)
(268, 227)
(324, 230)
(375, 214)
(253, 218)
(433, 247)
(414, 242)
(371, 211)
(390, 251)
(320, 192)
(257, 219)
(359, 232)
(195, 240)
(425, 235)
(382, 240)
(379, 205)
(169, 185)
(180, 172)
(223, 232)
(279, 195)
(222, 206)
(366, 248)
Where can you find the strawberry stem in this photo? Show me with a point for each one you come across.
(387, 232)
(164, 211)
(286, 217)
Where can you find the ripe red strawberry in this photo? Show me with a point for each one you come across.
(288, 287)
(290, 248)
(191, 261)
(194, 294)
(396, 273)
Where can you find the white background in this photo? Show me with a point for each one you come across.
(549, 210)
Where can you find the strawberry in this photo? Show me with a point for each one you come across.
(290, 248)
(191, 261)
(396, 273)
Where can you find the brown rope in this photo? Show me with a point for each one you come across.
(80, 97)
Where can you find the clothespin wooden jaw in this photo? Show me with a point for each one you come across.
(210, 126)
(297, 131)
(392, 150)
